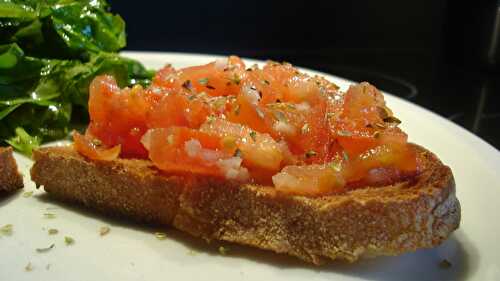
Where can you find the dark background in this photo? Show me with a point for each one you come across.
(434, 53)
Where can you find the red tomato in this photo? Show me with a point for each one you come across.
(93, 149)
(177, 110)
(274, 116)
(309, 180)
(251, 115)
(169, 150)
(258, 150)
(397, 156)
(220, 78)
(118, 117)
(362, 104)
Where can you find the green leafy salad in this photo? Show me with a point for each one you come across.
(50, 50)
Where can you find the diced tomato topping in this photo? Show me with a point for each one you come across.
(267, 125)
(258, 150)
(246, 113)
(181, 150)
(308, 180)
(177, 110)
(357, 143)
(118, 117)
(220, 78)
(384, 156)
(363, 103)
(93, 149)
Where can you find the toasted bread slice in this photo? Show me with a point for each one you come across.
(10, 179)
(385, 220)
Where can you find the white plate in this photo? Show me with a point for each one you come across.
(131, 252)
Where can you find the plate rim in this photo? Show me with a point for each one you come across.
(462, 132)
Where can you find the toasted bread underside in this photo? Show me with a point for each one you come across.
(10, 179)
(385, 220)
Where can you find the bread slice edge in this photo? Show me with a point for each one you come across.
(370, 221)
(10, 179)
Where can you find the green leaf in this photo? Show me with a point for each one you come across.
(11, 10)
(8, 60)
(4, 112)
(84, 27)
(9, 55)
(64, 29)
(30, 34)
(50, 51)
(137, 73)
(16, 67)
(23, 142)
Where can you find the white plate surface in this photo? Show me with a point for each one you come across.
(131, 251)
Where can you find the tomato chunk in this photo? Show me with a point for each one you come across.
(308, 180)
(257, 150)
(179, 149)
(93, 149)
(394, 156)
(118, 117)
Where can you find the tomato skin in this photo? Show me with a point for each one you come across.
(355, 145)
(118, 117)
(86, 146)
(362, 103)
(127, 138)
(312, 139)
(259, 151)
(212, 78)
(243, 112)
(308, 180)
(168, 153)
(170, 111)
(166, 78)
(390, 156)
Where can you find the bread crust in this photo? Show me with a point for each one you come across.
(10, 179)
(369, 221)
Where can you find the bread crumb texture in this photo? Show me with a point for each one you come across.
(10, 179)
(387, 220)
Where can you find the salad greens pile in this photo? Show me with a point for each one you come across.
(50, 50)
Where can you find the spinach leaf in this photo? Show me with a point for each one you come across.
(43, 98)
(61, 28)
(24, 142)
(50, 51)
(84, 27)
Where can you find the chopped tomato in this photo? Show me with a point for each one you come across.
(177, 110)
(118, 117)
(305, 129)
(222, 119)
(355, 142)
(302, 89)
(384, 156)
(308, 180)
(258, 150)
(93, 149)
(249, 114)
(166, 78)
(363, 103)
(182, 150)
(220, 78)
(271, 87)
